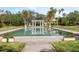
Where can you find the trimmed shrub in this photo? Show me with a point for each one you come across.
(11, 47)
(1, 25)
(66, 46)
(7, 36)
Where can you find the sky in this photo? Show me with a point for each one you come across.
(41, 10)
(39, 3)
(41, 6)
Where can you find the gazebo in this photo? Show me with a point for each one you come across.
(54, 22)
(34, 23)
(37, 24)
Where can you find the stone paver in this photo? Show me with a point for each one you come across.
(37, 47)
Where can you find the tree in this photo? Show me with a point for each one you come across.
(64, 14)
(71, 19)
(50, 15)
(25, 15)
(60, 19)
(32, 15)
(39, 16)
(62, 10)
(9, 17)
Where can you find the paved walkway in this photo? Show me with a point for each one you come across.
(38, 47)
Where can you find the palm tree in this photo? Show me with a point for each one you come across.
(9, 16)
(60, 11)
(2, 16)
(25, 16)
(64, 14)
(31, 14)
(50, 15)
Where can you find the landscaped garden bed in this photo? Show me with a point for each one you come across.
(11, 47)
(66, 46)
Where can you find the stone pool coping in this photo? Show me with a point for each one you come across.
(38, 38)
(74, 32)
(3, 32)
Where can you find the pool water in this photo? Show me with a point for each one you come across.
(40, 32)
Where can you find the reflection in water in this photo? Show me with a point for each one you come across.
(37, 30)
(41, 32)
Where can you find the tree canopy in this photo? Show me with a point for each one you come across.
(7, 18)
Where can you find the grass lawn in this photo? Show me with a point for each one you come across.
(11, 47)
(9, 28)
(66, 46)
(73, 28)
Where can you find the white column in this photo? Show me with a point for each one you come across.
(25, 27)
(40, 23)
(32, 26)
(35, 24)
(40, 31)
(35, 28)
(43, 27)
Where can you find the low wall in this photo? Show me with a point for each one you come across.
(38, 38)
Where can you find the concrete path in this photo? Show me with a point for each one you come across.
(38, 47)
